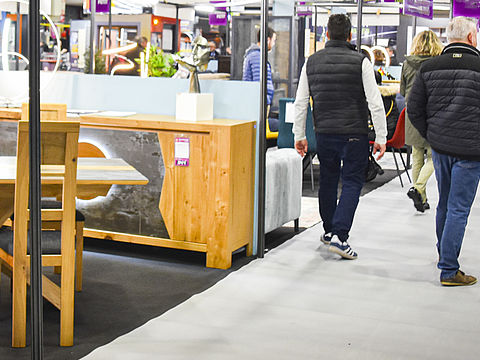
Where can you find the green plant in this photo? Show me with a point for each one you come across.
(160, 64)
(99, 63)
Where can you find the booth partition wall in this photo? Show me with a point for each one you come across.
(284, 57)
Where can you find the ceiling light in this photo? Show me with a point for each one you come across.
(204, 8)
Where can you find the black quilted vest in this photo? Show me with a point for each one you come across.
(336, 86)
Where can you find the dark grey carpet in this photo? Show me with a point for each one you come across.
(124, 287)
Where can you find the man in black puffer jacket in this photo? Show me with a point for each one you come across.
(444, 106)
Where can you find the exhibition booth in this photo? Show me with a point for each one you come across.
(206, 206)
(193, 182)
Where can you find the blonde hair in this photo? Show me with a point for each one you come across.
(426, 43)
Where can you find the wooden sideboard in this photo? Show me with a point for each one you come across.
(206, 206)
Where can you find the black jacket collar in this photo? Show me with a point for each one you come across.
(340, 43)
(460, 48)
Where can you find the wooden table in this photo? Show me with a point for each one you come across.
(207, 206)
(93, 175)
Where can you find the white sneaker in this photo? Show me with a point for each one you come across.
(342, 248)
(326, 238)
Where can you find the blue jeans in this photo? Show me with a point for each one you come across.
(331, 151)
(457, 185)
(273, 124)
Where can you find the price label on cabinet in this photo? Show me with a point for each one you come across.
(182, 151)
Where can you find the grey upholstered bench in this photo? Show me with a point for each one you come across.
(283, 188)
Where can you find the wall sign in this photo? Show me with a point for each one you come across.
(218, 19)
(469, 8)
(420, 8)
(101, 6)
(182, 151)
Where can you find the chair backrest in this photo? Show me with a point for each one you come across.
(48, 112)
(285, 134)
(58, 112)
(398, 139)
(59, 152)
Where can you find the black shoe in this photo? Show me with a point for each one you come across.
(417, 199)
(426, 205)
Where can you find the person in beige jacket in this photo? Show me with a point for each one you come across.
(425, 45)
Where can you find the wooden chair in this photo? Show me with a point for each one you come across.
(48, 112)
(59, 168)
(58, 112)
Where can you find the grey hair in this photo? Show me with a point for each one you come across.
(459, 27)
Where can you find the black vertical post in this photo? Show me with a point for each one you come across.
(93, 11)
(17, 36)
(227, 35)
(359, 25)
(36, 298)
(110, 24)
(175, 35)
(316, 29)
(109, 31)
(302, 25)
(262, 130)
(291, 59)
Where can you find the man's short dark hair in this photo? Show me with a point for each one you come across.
(339, 27)
(270, 33)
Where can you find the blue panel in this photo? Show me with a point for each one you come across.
(232, 99)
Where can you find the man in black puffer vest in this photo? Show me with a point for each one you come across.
(342, 85)
(444, 105)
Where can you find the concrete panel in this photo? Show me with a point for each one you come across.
(8, 142)
(128, 209)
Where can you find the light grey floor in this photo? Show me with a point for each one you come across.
(302, 302)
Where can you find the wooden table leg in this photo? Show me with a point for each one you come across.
(7, 195)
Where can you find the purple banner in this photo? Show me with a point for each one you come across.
(303, 10)
(217, 19)
(102, 6)
(469, 8)
(420, 8)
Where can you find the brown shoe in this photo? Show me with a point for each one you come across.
(460, 279)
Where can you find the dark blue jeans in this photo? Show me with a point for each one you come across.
(273, 124)
(332, 150)
(457, 185)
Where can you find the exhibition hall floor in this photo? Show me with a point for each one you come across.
(303, 302)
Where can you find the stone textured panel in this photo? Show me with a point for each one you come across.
(128, 209)
(8, 138)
